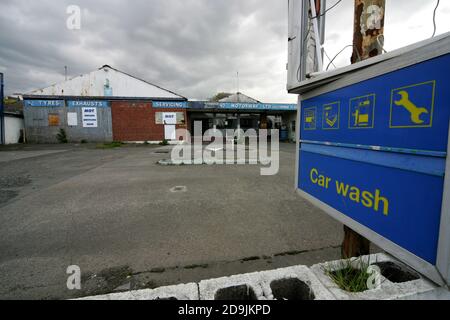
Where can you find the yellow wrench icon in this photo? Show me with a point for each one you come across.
(415, 111)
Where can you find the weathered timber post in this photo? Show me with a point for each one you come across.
(368, 41)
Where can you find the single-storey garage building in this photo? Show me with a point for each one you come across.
(104, 105)
(110, 105)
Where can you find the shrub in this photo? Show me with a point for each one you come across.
(164, 143)
(62, 136)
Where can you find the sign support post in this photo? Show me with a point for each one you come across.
(368, 29)
(367, 42)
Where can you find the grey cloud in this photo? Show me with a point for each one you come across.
(193, 47)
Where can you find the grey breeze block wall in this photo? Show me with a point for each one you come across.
(39, 130)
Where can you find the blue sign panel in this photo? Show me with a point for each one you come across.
(406, 109)
(401, 205)
(88, 103)
(44, 103)
(170, 104)
(376, 152)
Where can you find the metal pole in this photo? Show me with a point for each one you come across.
(317, 33)
(2, 115)
(368, 41)
(303, 36)
(322, 20)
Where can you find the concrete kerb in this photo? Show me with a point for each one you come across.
(168, 162)
(389, 290)
(292, 283)
(178, 292)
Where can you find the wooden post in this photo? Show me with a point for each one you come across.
(368, 41)
(368, 30)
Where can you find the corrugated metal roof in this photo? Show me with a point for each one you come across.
(106, 82)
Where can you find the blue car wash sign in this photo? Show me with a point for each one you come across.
(375, 153)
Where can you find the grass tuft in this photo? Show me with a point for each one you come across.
(350, 275)
(165, 142)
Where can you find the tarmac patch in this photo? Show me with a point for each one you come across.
(107, 281)
(14, 182)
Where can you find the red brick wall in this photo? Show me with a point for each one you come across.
(135, 121)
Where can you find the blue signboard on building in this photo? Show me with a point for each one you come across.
(224, 105)
(88, 103)
(170, 104)
(375, 153)
(44, 103)
(257, 106)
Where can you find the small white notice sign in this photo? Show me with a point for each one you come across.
(90, 118)
(72, 119)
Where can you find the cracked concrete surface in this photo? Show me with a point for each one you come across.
(112, 210)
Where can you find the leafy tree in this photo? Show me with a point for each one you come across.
(220, 96)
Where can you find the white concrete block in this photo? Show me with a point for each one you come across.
(291, 283)
(302, 282)
(388, 289)
(179, 292)
(433, 295)
(229, 287)
(94, 298)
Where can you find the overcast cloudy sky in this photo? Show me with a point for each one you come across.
(192, 47)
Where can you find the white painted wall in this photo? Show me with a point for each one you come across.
(13, 125)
